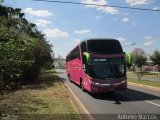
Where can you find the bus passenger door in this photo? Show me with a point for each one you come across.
(85, 70)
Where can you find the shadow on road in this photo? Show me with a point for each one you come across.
(123, 96)
(126, 96)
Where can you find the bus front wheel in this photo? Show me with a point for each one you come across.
(69, 78)
(82, 85)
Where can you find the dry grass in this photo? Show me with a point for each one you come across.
(44, 99)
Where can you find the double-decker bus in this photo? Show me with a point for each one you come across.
(97, 65)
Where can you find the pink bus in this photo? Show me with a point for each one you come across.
(97, 65)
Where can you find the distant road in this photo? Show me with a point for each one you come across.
(135, 100)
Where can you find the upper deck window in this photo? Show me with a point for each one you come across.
(104, 46)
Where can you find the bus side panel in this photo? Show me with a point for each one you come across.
(74, 67)
(71, 71)
(85, 79)
(75, 70)
(78, 70)
(87, 84)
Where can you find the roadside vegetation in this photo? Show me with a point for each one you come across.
(43, 99)
(141, 78)
(149, 75)
(29, 86)
(24, 50)
(145, 82)
(155, 57)
(138, 67)
(138, 58)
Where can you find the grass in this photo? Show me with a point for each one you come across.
(145, 82)
(44, 99)
(146, 75)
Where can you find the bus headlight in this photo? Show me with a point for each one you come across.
(94, 83)
(99, 84)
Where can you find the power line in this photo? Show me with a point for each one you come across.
(115, 6)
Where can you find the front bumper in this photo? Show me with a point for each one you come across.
(103, 88)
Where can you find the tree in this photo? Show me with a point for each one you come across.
(139, 57)
(23, 49)
(155, 57)
(1, 1)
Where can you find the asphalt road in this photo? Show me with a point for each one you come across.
(135, 100)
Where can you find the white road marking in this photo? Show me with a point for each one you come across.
(152, 103)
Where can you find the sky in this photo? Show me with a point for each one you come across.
(65, 25)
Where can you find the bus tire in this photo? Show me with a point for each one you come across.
(82, 86)
(69, 78)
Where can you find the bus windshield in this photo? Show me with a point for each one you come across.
(104, 46)
(107, 68)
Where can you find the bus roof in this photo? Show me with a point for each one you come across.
(97, 39)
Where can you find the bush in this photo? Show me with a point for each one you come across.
(23, 50)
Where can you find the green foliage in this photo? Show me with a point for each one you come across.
(128, 58)
(23, 49)
(155, 57)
